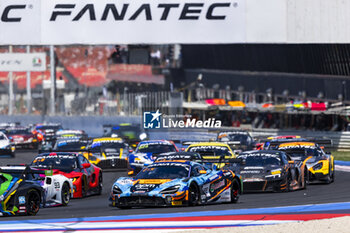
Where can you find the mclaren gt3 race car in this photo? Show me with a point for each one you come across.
(145, 152)
(176, 183)
(108, 153)
(270, 171)
(86, 177)
(24, 189)
(319, 164)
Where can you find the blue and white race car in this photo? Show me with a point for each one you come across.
(146, 151)
(176, 182)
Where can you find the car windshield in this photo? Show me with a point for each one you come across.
(210, 150)
(252, 160)
(98, 146)
(56, 161)
(17, 131)
(70, 145)
(166, 171)
(234, 137)
(155, 148)
(301, 153)
(2, 137)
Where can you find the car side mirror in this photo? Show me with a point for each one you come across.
(202, 172)
(86, 165)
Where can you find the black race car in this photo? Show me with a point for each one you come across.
(239, 140)
(20, 192)
(270, 170)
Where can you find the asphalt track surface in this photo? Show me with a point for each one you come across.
(95, 206)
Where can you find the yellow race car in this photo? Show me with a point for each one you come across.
(212, 151)
(107, 152)
(319, 164)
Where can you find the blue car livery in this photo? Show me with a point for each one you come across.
(145, 152)
(176, 183)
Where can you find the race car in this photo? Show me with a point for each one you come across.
(70, 133)
(270, 170)
(48, 145)
(48, 131)
(319, 164)
(58, 189)
(239, 141)
(107, 152)
(6, 148)
(273, 143)
(74, 144)
(176, 183)
(212, 150)
(22, 137)
(145, 151)
(19, 193)
(131, 134)
(86, 177)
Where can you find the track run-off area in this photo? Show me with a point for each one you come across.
(252, 209)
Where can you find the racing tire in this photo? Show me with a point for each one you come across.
(83, 188)
(235, 191)
(306, 178)
(289, 181)
(33, 202)
(193, 195)
(65, 194)
(100, 184)
(333, 175)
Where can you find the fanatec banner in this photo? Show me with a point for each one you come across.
(121, 21)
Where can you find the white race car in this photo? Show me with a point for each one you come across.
(6, 148)
(58, 190)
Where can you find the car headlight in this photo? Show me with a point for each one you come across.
(275, 172)
(114, 135)
(171, 190)
(116, 190)
(2, 197)
(74, 179)
(143, 136)
(318, 166)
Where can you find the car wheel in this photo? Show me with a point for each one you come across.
(235, 191)
(83, 188)
(65, 194)
(333, 176)
(33, 202)
(100, 184)
(289, 181)
(306, 178)
(193, 195)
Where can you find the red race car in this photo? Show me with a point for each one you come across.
(86, 177)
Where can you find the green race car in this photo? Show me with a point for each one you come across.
(20, 192)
